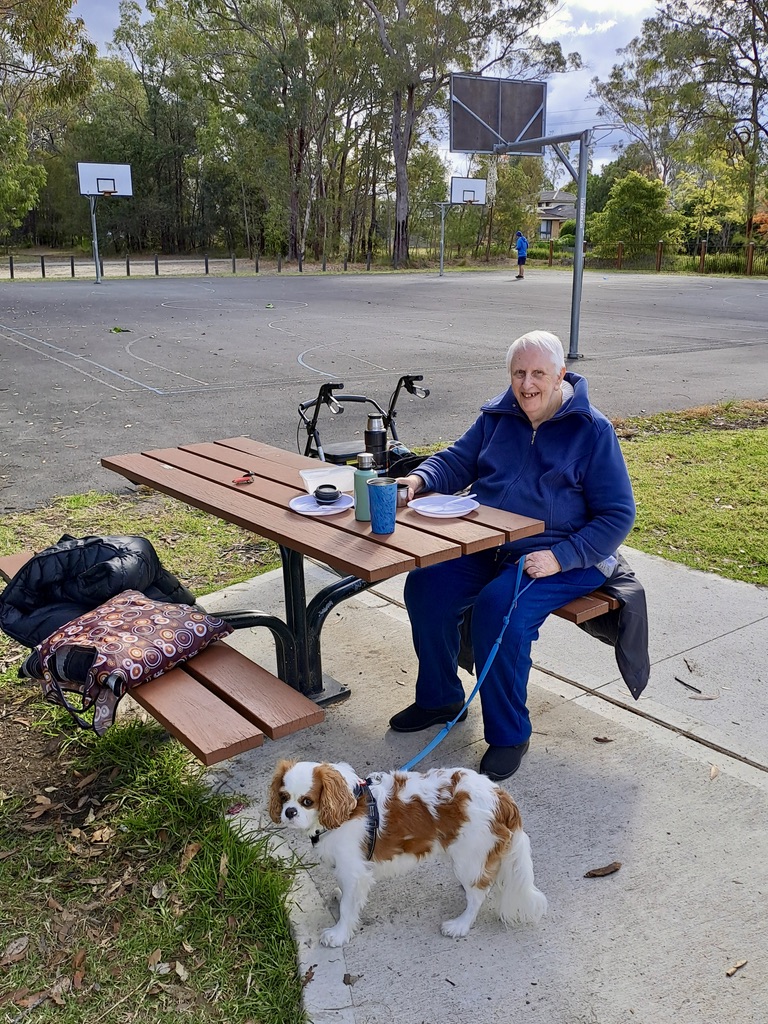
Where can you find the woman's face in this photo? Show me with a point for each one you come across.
(536, 384)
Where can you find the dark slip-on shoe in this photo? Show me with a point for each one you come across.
(499, 763)
(414, 719)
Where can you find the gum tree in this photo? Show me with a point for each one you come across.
(422, 41)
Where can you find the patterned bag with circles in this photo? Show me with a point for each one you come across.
(126, 641)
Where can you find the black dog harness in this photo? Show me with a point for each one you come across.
(372, 818)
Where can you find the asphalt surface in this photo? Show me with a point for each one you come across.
(196, 360)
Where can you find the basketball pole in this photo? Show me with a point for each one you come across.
(92, 201)
(443, 208)
(585, 140)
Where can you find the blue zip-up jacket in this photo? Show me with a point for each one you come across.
(569, 472)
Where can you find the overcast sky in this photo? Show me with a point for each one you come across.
(595, 28)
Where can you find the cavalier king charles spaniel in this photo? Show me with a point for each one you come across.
(365, 829)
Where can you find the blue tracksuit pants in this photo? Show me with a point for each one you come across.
(436, 598)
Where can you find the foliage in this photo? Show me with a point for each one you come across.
(725, 46)
(422, 41)
(630, 158)
(637, 214)
(45, 56)
(654, 96)
(711, 204)
(20, 182)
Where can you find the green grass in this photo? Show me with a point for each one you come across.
(133, 898)
(700, 483)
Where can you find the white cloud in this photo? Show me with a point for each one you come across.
(590, 30)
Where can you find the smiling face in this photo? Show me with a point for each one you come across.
(536, 384)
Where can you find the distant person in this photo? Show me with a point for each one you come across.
(521, 244)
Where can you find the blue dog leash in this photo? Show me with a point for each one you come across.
(447, 728)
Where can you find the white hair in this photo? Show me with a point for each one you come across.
(546, 343)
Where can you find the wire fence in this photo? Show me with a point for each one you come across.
(58, 267)
(749, 260)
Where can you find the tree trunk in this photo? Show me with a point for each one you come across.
(402, 133)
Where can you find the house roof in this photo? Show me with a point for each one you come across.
(556, 205)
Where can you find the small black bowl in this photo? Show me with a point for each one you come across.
(326, 494)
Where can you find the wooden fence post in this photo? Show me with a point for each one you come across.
(750, 258)
(72, 265)
(10, 262)
(206, 263)
(157, 266)
(42, 265)
(659, 254)
(279, 264)
(702, 257)
(127, 265)
(619, 255)
(234, 264)
(551, 251)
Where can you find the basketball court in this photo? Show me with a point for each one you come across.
(196, 360)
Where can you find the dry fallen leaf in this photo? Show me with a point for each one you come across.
(181, 970)
(308, 976)
(609, 869)
(714, 771)
(736, 967)
(87, 780)
(15, 951)
(602, 739)
(223, 872)
(160, 890)
(191, 851)
(154, 958)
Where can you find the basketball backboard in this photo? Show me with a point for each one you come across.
(486, 112)
(105, 179)
(468, 190)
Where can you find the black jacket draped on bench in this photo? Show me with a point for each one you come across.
(76, 575)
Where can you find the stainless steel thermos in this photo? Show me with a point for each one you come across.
(376, 440)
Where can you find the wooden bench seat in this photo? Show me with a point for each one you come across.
(10, 564)
(218, 703)
(590, 607)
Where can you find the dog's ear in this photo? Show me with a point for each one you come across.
(275, 804)
(336, 798)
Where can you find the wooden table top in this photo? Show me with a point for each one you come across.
(202, 475)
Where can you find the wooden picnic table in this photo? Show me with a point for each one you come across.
(202, 475)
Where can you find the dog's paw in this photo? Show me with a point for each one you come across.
(336, 936)
(456, 928)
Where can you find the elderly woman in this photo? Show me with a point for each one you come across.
(541, 449)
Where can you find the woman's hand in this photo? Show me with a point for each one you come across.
(415, 484)
(541, 563)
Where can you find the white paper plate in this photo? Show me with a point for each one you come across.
(306, 505)
(443, 506)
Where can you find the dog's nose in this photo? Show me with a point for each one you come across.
(291, 812)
